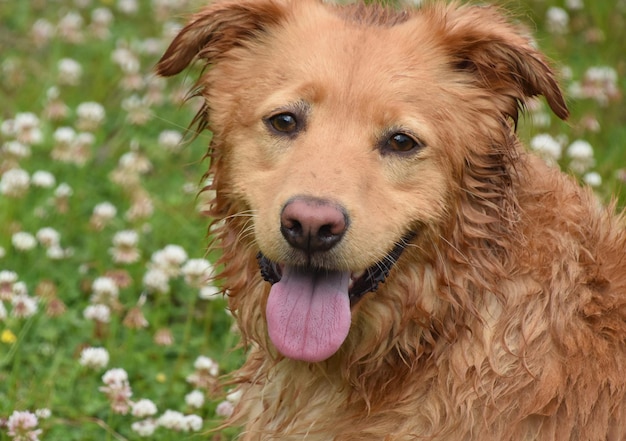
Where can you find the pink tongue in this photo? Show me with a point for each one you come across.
(308, 313)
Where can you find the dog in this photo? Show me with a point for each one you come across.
(400, 266)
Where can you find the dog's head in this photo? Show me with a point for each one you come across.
(344, 134)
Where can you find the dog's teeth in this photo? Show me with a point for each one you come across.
(351, 284)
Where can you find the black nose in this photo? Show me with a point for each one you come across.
(312, 224)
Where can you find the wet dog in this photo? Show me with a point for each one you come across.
(400, 267)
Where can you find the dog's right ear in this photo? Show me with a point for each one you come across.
(216, 29)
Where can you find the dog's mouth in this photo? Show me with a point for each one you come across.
(309, 309)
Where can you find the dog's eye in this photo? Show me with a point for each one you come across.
(284, 122)
(401, 143)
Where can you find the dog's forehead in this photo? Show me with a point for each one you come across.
(322, 49)
(328, 39)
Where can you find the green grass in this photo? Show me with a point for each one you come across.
(39, 354)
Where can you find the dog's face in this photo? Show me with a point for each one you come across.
(318, 124)
(346, 133)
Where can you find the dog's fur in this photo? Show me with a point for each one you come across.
(505, 316)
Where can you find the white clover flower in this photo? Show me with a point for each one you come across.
(85, 139)
(117, 389)
(20, 289)
(44, 413)
(101, 16)
(193, 423)
(151, 46)
(144, 428)
(70, 27)
(27, 129)
(94, 358)
(104, 290)
(197, 272)
(98, 313)
(138, 109)
(170, 140)
(601, 74)
(90, 115)
(557, 20)
(195, 399)
(23, 241)
(547, 147)
(143, 408)
(70, 71)
(22, 425)
(173, 420)
(102, 214)
(175, 254)
(42, 31)
(125, 247)
(105, 210)
(48, 237)
(128, 7)
(601, 84)
(206, 364)
(25, 121)
(210, 292)
(115, 376)
(141, 207)
(105, 285)
(8, 277)
(178, 422)
(55, 252)
(581, 154)
(55, 109)
(169, 259)
(14, 182)
(43, 179)
(64, 135)
(135, 162)
(63, 190)
(593, 179)
(156, 280)
(7, 128)
(580, 149)
(124, 57)
(23, 305)
(574, 5)
(126, 238)
(15, 149)
(541, 118)
(224, 409)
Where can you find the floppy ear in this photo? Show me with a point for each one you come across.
(501, 57)
(218, 28)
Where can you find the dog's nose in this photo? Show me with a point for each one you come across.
(312, 224)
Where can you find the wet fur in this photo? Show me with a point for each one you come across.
(505, 319)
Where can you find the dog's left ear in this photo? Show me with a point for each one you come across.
(215, 30)
(500, 56)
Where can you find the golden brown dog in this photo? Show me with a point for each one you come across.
(400, 267)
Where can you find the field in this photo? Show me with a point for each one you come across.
(109, 326)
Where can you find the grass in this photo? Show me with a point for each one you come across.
(40, 348)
